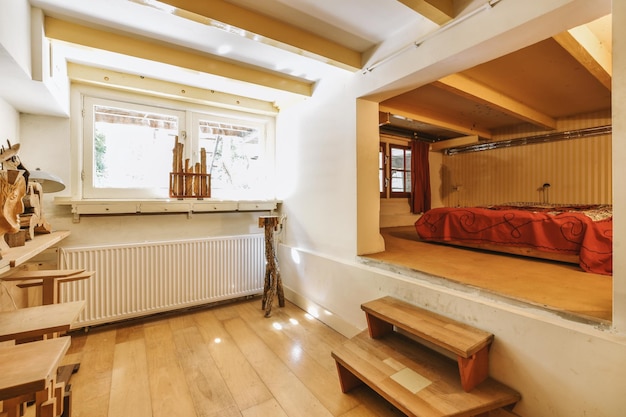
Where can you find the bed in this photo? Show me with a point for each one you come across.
(581, 234)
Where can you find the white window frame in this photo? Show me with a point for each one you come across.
(83, 141)
(91, 192)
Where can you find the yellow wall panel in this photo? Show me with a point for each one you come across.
(578, 170)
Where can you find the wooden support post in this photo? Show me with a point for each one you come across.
(377, 327)
(347, 380)
(273, 284)
(474, 369)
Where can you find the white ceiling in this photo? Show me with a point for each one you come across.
(356, 24)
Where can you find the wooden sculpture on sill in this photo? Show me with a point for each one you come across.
(189, 180)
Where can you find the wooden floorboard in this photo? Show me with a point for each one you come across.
(563, 288)
(226, 360)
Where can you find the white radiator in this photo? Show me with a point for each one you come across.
(134, 280)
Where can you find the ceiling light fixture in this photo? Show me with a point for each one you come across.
(224, 49)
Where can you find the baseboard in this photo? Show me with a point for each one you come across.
(321, 313)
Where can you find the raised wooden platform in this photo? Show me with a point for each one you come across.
(415, 378)
(548, 285)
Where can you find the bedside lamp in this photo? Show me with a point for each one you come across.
(49, 183)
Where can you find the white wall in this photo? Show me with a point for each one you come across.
(561, 368)
(15, 34)
(317, 172)
(9, 124)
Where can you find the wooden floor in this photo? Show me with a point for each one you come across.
(230, 360)
(215, 362)
(556, 286)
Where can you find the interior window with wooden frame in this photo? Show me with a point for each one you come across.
(394, 167)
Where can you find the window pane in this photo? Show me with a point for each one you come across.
(132, 149)
(400, 170)
(407, 171)
(234, 152)
(397, 158)
(397, 184)
(381, 169)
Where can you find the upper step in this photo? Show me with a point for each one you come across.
(461, 339)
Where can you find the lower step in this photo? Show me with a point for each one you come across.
(416, 380)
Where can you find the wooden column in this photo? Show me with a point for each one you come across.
(273, 284)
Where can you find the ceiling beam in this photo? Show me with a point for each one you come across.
(169, 54)
(429, 117)
(276, 32)
(477, 92)
(437, 11)
(454, 143)
(589, 51)
(87, 74)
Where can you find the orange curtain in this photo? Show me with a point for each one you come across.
(420, 177)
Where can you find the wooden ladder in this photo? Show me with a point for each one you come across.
(405, 357)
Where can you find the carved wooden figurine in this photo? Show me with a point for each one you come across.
(32, 220)
(12, 190)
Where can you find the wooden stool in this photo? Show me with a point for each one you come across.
(273, 283)
(40, 322)
(49, 280)
(29, 370)
(26, 325)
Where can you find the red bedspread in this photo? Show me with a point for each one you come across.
(583, 230)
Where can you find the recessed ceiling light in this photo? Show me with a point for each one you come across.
(224, 49)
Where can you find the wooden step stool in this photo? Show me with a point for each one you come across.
(416, 377)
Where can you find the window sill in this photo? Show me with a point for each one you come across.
(165, 206)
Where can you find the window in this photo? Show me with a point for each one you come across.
(128, 144)
(400, 170)
(234, 151)
(130, 149)
(394, 162)
(383, 181)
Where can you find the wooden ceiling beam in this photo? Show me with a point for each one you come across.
(454, 143)
(437, 11)
(589, 51)
(87, 74)
(477, 92)
(170, 54)
(435, 119)
(272, 31)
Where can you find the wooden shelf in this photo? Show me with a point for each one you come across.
(164, 206)
(18, 255)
